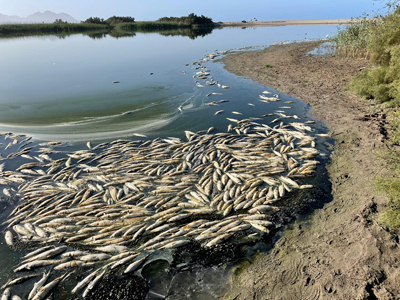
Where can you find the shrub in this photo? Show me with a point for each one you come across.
(191, 19)
(95, 20)
(114, 20)
(385, 40)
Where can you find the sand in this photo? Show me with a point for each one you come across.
(288, 22)
(340, 251)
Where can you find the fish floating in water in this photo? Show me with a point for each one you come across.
(123, 200)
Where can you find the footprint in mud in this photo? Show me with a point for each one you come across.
(292, 273)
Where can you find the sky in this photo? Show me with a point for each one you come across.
(218, 10)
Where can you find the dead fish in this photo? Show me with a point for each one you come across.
(84, 282)
(47, 254)
(37, 251)
(94, 283)
(175, 244)
(123, 261)
(325, 135)
(9, 238)
(112, 248)
(95, 257)
(6, 192)
(38, 285)
(45, 290)
(18, 280)
(6, 294)
(71, 264)
(38, 264)
(136, 264)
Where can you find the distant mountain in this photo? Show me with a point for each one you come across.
(46, 17)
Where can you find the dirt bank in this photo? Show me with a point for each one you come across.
(340, 252)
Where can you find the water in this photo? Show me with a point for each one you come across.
(327, 48)
(53, 88)
(62, 89)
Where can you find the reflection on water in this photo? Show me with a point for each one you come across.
(192, 33)
(62, 88)
(327, 48)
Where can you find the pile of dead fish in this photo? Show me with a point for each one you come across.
(123, 200)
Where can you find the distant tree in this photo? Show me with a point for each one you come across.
(94, 20)
(114, 20)
(60, 21)
(191, 19)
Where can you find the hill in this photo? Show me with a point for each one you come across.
(38, 17)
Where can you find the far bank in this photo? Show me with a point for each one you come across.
(245, 23)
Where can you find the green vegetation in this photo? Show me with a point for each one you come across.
(94, 20)
(60, 21)
(267, 66)
(29, 29)
(390, 186)
(355, 38)
(190, 20)
(379, 41)
(119, 24)
(114, 20)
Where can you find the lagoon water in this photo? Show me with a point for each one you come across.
(61, 88)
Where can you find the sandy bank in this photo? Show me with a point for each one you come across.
(340, 252)
(289, 22)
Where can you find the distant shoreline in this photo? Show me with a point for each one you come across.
(287, 22)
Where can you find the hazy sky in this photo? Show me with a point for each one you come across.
(218, 10)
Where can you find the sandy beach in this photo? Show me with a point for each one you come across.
(340, 251)
(288, 22)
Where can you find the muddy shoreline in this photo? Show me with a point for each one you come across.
(340, 251)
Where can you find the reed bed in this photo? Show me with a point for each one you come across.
(353, 40)
(8, 29)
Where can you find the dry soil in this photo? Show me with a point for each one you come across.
(340, 251)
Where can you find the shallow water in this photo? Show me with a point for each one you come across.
(53, 88)
(62, 89)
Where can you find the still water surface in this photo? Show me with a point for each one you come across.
(62, 89)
